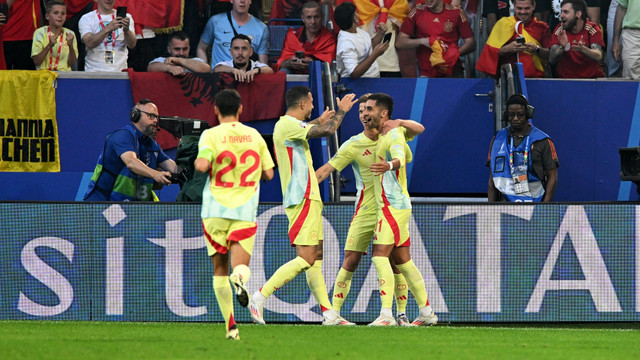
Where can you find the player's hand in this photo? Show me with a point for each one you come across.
(389, 125)
(52, 40)
(326, 115)
(346, 102)
(70, 37)
(379, 168)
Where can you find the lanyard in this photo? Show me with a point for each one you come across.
(51, 64)
(113, 33)
(526, 152)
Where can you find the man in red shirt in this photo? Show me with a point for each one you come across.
(434, 28)
(24, 19)
(576, 45)
(313, 39)
(519, 38)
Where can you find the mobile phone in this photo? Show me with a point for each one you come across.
(300, 54)
(121, 11)
(520, 40)
(387, 37)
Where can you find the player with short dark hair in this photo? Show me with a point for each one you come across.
(236, 158)
(359, 152)
(301, 197)
(394, 212)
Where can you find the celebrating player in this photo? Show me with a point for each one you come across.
(301, 198)
(359, 152)
(394, 211)
(236, 157)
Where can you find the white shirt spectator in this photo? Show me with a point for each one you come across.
(352, 49)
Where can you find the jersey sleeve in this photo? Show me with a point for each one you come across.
(122, 141)
(297, 130)
(205, 146)
(343, 157)
(396, 146)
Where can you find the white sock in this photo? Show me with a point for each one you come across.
(330, 314)
(426, 311)
(386, 312)
(258, 298)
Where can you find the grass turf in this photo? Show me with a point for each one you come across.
(130, 340)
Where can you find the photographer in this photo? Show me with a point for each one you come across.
(126, 167)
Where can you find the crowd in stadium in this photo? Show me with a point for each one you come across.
(384, 38)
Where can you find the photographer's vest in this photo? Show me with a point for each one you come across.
(501, 169)
(122, 184)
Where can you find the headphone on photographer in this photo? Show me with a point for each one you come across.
(136, 113)
(518, 99)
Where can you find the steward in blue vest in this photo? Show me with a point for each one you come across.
(126, 169)
(522, 158)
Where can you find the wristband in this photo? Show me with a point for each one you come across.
(390, 165)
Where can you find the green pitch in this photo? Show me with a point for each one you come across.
(127, 340)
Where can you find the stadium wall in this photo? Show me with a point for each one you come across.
(587, 119)
(482, 263)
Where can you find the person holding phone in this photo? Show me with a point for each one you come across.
(307, 43)
(357, 52)
(54, 47)
(107, 35)
(503, 46)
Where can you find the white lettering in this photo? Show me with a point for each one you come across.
(46, 275)
(488, 249)
(114, 291)
(174, 244)
(575, 226)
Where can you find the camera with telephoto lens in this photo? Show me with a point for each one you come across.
(179, 177)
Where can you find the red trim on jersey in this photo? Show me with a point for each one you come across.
(242, 234)
(219, 248)
(360, 200)
(290, 152)
(307, 191)
(392, 222)
(385, 201)
(297, 226)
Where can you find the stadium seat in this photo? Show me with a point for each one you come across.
(277, 33)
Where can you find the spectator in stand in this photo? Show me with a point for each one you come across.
(434, 28)
(222, 27)
(494, 10)
(23, 20)
(315, 40)
(519, 38)
(626, 38)
(356, 50)
(178, 63)
(576, 45)
(3, 20)
(613, 67)
(393, 14)
(54, 47)
(242, 67)
(107, 38)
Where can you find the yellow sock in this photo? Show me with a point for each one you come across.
(224, 296)
(243, 272)
(283, 275)
(416, 282)
(341, 288)
(401, 293)
(316, 283)
(385, 280)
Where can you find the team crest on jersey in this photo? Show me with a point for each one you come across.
(303, 124)
(448, 26)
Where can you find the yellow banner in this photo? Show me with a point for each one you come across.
(28, 128)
